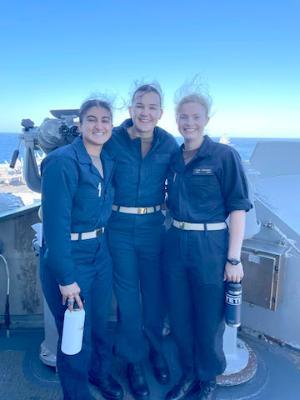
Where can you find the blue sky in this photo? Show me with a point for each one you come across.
(54, 54)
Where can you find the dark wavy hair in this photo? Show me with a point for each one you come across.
(94, 103)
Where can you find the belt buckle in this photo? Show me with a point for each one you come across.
(181, 225)
(142, 210)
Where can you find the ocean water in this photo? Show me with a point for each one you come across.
(245, 146)
(8, 143)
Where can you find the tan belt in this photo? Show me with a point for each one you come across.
(136, 210)
(189, 226)
(87, 235)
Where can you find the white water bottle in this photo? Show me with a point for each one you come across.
(73, 331)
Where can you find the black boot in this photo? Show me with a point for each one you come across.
(160, 367)
(208, 390)
(108, 386)
(185, 387)
(137, 381)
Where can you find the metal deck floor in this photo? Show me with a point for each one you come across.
(24, 377)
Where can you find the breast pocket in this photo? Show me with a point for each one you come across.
(202, 185)
(87, 191)
(86, 204)
(125, 169)
(159, 164)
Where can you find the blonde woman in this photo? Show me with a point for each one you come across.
(206, 184)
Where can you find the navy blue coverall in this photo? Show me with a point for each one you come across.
(205, 190)
(73, 203)
(136, 240)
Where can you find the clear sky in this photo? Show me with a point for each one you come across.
(54, 54)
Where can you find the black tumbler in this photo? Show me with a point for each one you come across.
(233, 304)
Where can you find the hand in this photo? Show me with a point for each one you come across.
(71, 292)
(233, 273)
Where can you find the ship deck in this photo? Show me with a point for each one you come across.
(24, 377)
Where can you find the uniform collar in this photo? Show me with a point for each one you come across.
(157, 132)
(126, 124)
(82, 154)
(205, 149)
(80, 150)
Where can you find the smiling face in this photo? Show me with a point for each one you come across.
(145, 111)
(95, 128)
(191, 120)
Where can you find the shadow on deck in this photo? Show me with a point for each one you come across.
(24, 377)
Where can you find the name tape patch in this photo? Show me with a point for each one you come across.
(202, 171)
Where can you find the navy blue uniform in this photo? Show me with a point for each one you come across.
(72, 202)
(136, 240)
(206, 190)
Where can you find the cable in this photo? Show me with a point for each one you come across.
(6, 313)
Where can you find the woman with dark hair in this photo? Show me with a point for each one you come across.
(206, 184)
(77, 197)
(143, 152)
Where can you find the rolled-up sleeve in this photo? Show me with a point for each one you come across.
(234, 183)
(59, 183)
